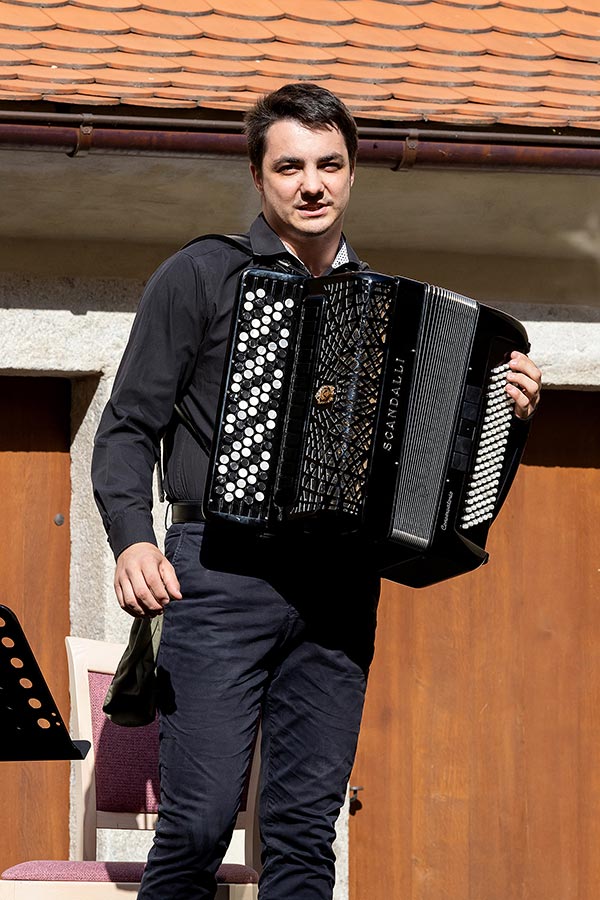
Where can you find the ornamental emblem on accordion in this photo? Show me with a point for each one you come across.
(362, 403)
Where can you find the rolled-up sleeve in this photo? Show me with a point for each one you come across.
(157, 364)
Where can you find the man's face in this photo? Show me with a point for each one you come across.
(304, 181)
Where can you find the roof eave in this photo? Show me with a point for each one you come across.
(394, 147)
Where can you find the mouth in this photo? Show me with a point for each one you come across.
(313, 209)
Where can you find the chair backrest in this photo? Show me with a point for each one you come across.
(110, 792)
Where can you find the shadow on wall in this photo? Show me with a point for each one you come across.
(578, 412)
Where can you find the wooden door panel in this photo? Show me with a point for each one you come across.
(34, 574)
(479, 748)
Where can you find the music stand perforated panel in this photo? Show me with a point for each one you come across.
(32, 726)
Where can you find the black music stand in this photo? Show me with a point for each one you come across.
(30, 723)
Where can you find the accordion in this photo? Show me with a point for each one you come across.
(368, 404)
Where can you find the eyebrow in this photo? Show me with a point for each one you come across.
(296, 160)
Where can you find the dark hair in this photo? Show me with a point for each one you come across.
(309, 104)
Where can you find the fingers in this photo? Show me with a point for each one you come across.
(524, 382)
(145, 580)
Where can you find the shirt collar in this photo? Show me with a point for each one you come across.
(266, 243)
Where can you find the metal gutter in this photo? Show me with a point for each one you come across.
(160, 123)
(77, 134)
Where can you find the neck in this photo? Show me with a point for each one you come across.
(317, 254)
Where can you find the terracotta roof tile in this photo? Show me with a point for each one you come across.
(492, 95)
(257, 9)
(471, 4)
(23, 87)
(105, 5)
(223, 67)
(177, 7)
(360, 91)
(576, 24)
(40, 5)
(435, 93)
(356, 72)
(198, 94)
(417, 75)
(214, 83)
(587, 6)
(300, 52)
(539, 6)
(19, 40)
(574, 48)
(148, 45)
(10, 57)
(292, 71)
(139, 79)
(370, 55)
(517, 47)
(139, 62)
(59, 39)
(44, 56)
(384, 15)
(24, 18)
(378, 38)
(109, 90)
(295, 32)
(162, 102)
(509, 65)
(6, 94)
(91, 21)
(451, 18)
(78, 98)
(449, 62)
(535, 63)
(574, 68)
(572, 101)
(509, 82)
(53, 75)
(573, 85)
(230, 28)
(154, 24)
(520, 23)
(261, 84)
(327, 12)
(449, 42)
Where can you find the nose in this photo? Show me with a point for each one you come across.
(312, 182)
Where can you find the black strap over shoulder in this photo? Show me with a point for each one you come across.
(239, 241)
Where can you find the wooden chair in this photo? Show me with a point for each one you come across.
(110, 793)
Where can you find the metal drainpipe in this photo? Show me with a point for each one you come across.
(416, 150)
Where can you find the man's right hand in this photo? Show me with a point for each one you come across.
(145, 580)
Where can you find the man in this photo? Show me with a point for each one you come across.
(269, 628)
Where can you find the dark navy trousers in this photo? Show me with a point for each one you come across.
(280, 631)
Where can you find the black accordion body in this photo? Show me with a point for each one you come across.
(364, 403)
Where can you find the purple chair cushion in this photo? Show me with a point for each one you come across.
(126, 758)
(122, 872)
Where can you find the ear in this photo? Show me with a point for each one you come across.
(352, 173)
(256, 178)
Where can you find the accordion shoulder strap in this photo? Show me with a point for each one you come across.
(239, 241)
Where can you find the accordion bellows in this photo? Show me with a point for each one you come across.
(363, 403)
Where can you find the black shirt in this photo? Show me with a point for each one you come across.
(175, 354)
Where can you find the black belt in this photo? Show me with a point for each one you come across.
(186, 512)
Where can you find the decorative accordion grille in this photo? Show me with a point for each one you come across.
(484, 483)
(340, 433)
